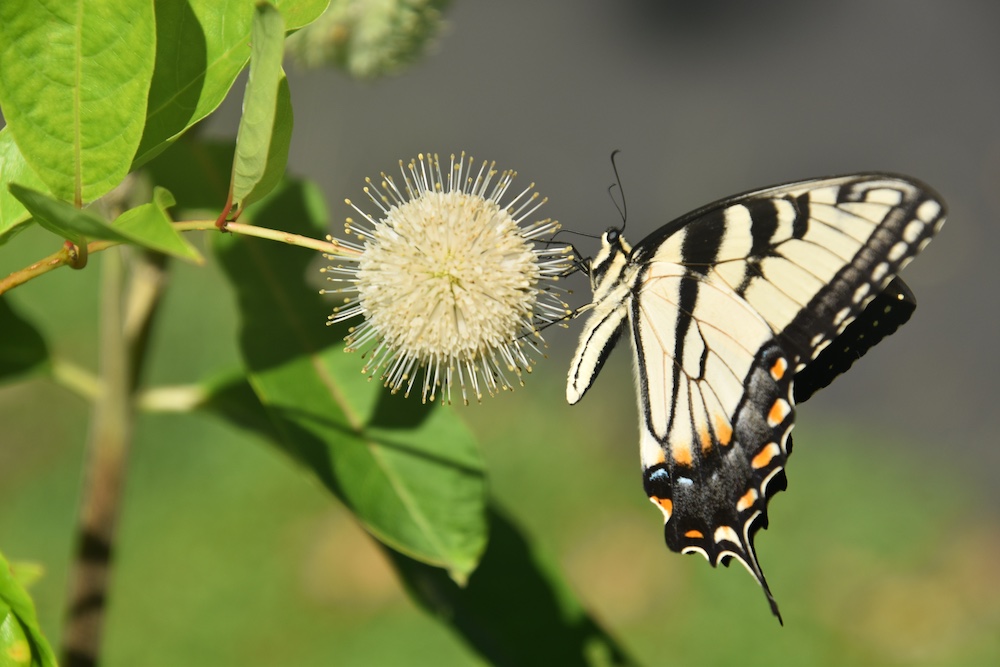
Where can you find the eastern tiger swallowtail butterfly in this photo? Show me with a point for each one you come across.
(738, 311)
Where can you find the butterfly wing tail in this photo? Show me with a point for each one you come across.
(727, 544)
(749, 560)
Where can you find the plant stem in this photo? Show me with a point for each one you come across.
(285, 237)
(75, 378)
(176, 398)
(65, 256)
(126, 318)
(106, 454)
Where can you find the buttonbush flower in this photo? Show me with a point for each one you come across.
(453, 280)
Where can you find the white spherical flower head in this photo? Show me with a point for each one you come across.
(452, 283)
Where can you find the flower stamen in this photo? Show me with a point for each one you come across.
(449, 279)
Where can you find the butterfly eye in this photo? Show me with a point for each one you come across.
(612, 234)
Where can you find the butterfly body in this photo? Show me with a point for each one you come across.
(725, 306)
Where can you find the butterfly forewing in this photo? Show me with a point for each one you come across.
(725, 306)
(807, 256)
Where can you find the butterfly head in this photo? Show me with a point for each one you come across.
(612, 257)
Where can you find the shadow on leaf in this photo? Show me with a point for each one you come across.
(515, 609)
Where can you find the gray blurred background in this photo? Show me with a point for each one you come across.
(707, 99)
(883, 551)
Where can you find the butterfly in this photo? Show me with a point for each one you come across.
(737, 312)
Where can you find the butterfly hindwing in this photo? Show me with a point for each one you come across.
(717, 411)
(726, 305)
(890, 309)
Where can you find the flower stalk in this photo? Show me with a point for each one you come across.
(67, 255)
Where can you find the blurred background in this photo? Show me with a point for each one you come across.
(884, 550)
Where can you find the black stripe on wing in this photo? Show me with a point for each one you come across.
(705, 248)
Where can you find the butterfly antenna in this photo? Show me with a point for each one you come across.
(623, 209)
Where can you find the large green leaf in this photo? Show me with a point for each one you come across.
(201, 46)
(74, 78)
(411, 473)
(21, 638)
(516, 608)
(264, 135)
(22, 348)
(13, 169)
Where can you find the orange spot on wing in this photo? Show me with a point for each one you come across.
(778, 412)
(765, 455)
(747, 500)
(694, 534)
(706, 440)
(665, 504)
(779, 368)
(682, 455)
(723, 431)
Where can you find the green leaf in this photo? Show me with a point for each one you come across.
(149, 227)
(263, 137)
(65, 220)
(299, 13)
(74, 78)
(13, 169)
(234, 399)
(150, 224)
(412, 473)
(22, 348)
(27, 573)
(516, 609)
(21, 638)
(163, 198)
(15, 649)
(201, 46)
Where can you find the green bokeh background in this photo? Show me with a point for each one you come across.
(883, 551)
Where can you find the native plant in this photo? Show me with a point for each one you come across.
(99, 150)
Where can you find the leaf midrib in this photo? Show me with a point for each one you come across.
(77, 123)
